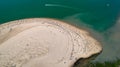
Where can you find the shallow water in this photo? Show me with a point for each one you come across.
(99, 17)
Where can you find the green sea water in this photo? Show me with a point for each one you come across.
(98, 15)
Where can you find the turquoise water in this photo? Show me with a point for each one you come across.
(100, 16)
(96, 13)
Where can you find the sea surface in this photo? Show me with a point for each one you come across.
(100, 17)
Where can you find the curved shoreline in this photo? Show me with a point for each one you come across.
(79, 44)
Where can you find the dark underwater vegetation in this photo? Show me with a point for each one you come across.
(99, 17)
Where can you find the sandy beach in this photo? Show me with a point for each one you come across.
(43, 42)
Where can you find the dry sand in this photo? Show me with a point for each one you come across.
(41, 42)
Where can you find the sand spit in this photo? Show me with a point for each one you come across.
(43, 42)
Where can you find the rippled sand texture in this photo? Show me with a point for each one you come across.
(41, 42)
